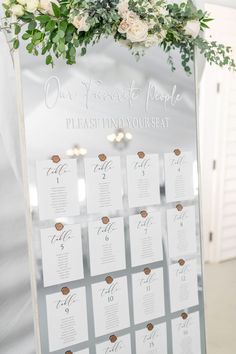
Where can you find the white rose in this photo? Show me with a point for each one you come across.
(192, 28)
(131, 17)
(32, 5)
(17, 10)
(124, 26)
(128, 21)
(137, 32)
(45, 6)
(123, 8)
(21, 2)
(81, 23)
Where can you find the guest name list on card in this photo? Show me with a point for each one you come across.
(115, 253)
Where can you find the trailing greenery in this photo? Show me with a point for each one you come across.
(66, 28)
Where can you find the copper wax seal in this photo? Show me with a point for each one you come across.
(179, 207)
(102, 157)
(150, 326)
(56, 158)
(65, 290)
(68, 352)
(59, 226)
(105, 220)
(177, 152)
(147, 271)
(141, 154)
(109, 279)
(181, 262)
(144, 214)
(113, 338)
(184, 315)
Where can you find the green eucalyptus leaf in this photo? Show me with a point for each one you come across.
(61, 34)
(37, 36)
(63, 25)
(16, 43)
(83, 51)
(26, 36)
(48, 59)
(50, 26)
(30, 47)
(43, 19)
(32, 25)
(56, 10)
(17, 29)
(61, 46)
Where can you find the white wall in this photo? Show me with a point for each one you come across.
(229, 3)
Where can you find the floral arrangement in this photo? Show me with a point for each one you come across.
(57, 28)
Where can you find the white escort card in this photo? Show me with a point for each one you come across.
(67, 318)
(181, 225)
(179, 176)
(143, 179)
(110, 305)
(120, 345)
(152, 340)
(186, 334)
(106, 245)
(57, 188)
(183, 285)
(62, 254)
(145, 238)
(148, 295)
(103, 184)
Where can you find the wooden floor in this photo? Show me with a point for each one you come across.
(220, 303)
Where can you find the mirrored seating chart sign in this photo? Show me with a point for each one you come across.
(113, 182)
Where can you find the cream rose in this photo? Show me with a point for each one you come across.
(192, 28)
(123, 8)
(124, 26)
(17, 10)
(137, 32)
(32, 5)
(81, 23)
(45, 6)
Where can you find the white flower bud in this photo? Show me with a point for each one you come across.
(32, 5)
(192, 28)
(17, 10)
